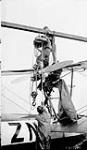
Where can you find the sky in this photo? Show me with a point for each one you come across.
(68, 16)
(0, 60)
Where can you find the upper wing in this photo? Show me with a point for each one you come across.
(16, 72)
(42, 31)
(77, 66)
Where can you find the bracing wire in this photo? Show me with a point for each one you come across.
(82, 122)
(81, 72)
(83, 111)
(81, 108)
(15, 94)
(85, 76)
(14, 102)
(65, 74)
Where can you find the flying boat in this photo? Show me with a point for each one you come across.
(21, 130)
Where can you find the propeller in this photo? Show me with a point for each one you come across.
(65, 65)
(56, 66)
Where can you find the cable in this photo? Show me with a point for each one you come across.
(15, 94)
(80, 72)
(65, 74)
(81, 107)
(14, 102)
(83, 110)
(82, 123)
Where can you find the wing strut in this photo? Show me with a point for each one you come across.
(72, 72)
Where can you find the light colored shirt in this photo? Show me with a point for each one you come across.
(44, 123)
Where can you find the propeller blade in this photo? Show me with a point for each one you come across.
(57, 66)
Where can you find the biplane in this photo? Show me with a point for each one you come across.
(21, 130)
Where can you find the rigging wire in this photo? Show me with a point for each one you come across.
(83, 111)
(15, 94)
(82, 123)
(14, 102)
(80, 72)
(81, 108)
(65, 74)
(85, 76)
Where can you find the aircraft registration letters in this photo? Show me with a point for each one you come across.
(16, 132)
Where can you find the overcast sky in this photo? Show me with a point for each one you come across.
(68, 16)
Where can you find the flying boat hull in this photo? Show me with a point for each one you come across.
(20, 133)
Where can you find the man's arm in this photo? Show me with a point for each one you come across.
(54, 50)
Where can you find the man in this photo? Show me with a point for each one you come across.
(66, 109)
(43, 136)
(52, 40)
(45, 44)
